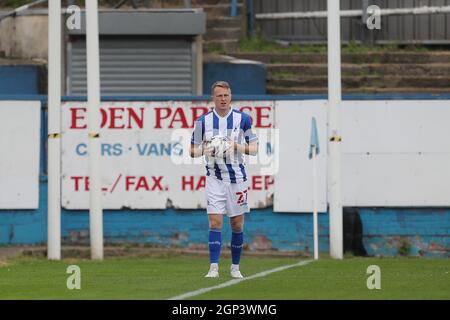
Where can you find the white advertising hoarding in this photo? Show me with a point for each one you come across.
(294, 179)
(145, 161)
(394, 154)
(20, 125)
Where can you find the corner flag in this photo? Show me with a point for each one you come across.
(314, 142)
(313, 152)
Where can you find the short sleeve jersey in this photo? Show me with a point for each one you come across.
(236, 126)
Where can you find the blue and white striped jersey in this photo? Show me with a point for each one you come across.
(237, 126)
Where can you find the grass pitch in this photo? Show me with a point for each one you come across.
(164, 277)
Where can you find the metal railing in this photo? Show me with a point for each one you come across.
(402, 21)
(21, 9)
(352, 13)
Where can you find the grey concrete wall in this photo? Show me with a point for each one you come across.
(24, 37)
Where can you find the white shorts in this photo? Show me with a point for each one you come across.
(226, 198)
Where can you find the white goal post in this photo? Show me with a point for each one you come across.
(96, 213)
(333, 134)
(54, 130)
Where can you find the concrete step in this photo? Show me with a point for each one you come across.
(366, 81)
(374, 57)
(198, 3)
(431, 69)
(221, 10)
(154, 3)
(223, 45)
(18, 62)
(222, 34)
(364, 90)
(224, 22)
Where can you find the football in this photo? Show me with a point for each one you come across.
(220, 145)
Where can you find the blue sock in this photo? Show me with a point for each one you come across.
(237, 241)
(214, 244)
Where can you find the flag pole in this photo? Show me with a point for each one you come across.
(316, 231)
(314, 150)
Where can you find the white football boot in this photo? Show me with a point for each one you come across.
(213, 271)
(235, 273)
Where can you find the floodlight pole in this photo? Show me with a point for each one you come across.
(93, 82)
(54, 131)
(334, 138)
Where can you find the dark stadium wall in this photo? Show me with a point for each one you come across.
(20, 79)
(245, 77)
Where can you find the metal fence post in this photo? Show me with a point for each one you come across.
(234, 8)
(250, 18)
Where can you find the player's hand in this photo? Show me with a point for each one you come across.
(231, 148)
(208, 150)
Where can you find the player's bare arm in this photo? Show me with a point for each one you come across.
(196, 151)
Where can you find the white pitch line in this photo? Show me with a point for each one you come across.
(236, 281)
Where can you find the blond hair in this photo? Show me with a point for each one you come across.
(222, 84)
